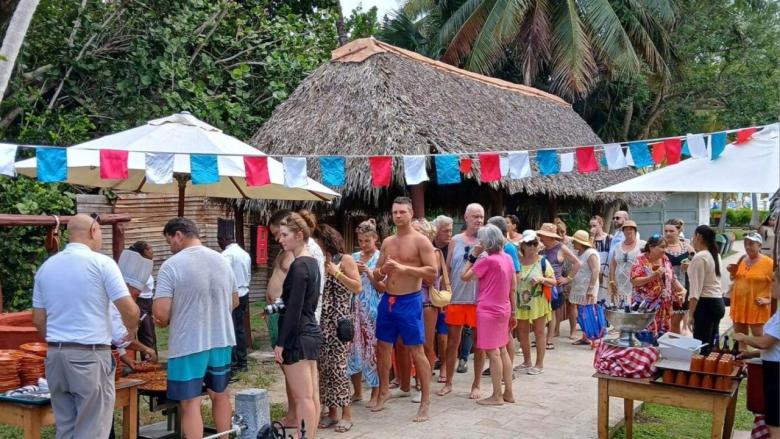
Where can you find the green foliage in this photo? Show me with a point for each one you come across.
(737, 217)
(362, 24)
(21, 248)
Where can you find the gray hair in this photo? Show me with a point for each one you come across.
(499, 222)
(490, 238)
(474, 206)
(442, 220)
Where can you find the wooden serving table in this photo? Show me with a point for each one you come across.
(32, 417)
(722, 405)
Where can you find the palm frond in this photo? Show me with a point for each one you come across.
(610, 41)
(645, 44)
(402, 31)
(417, 8)
(501, 26)
(458, 33)
(664, 11)
(533, 45)
(573, 64)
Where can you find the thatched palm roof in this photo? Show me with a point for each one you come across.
(374, 99)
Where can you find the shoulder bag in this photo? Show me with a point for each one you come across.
(345, 329)
(441, 297)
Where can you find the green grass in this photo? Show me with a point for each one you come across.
(661, 421)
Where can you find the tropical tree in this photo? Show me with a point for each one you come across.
(569, 44)
(12, 42)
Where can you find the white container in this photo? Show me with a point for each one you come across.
(677, 347)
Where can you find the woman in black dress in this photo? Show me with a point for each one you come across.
(298, 346)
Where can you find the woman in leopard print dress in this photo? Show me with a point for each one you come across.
(342, 282)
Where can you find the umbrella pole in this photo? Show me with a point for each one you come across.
(182, 188)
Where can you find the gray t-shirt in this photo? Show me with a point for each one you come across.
(463, 293)
(201, 284)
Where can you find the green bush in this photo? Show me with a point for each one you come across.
(737, 217)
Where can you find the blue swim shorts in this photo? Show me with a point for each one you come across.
(441, 325)
(401, 315)
(188, 374)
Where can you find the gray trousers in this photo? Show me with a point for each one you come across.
(81, 383)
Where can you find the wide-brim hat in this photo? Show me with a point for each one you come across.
(629, 223)
(549, 230)
(581, 237)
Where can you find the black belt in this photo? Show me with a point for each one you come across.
(86, 347)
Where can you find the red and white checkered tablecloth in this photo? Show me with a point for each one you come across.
(636, 362)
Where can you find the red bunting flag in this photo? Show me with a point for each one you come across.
(381, 170)
(113, 164)
(256, 169)
(489, 167)
(465, 165)
(673, 150)
(658, 152)
(745, 135)
(586, 159)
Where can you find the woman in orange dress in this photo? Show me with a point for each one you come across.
(751, 288)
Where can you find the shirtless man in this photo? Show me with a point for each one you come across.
(406, 259)
(462, 311)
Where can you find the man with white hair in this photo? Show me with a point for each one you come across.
(441, 241)
(462, 310)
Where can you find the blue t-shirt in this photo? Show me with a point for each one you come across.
(511, 250)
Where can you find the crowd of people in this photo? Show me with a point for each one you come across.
(422, 299)
(500, 282)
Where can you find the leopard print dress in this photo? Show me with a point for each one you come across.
(335, 390)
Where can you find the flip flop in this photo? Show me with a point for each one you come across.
(343, 426)
(581, 342)
(550, 346)
(533, 344)
(327, 422)
(442, 380)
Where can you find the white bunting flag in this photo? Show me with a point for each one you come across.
(414, 169)
(7, 159)
(696, 146)
(295, 171)
(615, 157)
(567, 162)
(519, 165)
(159, 168)
(503, 163)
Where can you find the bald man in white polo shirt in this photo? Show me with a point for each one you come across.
(71, 297)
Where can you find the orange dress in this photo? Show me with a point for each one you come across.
(750, 283)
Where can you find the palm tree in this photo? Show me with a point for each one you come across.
(12, 42)
(568, 43)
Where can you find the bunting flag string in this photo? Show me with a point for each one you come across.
(52, 162)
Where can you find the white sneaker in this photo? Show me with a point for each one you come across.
(417, 398)
(398, 393)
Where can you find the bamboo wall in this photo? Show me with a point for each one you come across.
(149, 214)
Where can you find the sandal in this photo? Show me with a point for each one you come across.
(343, 426)
(327, 422)
(533, 344)
(534, 371)
(550, 346)
(441, 380)
(581, 342)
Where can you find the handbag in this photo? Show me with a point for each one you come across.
(551, 293)
(345, 329)
(441, 297)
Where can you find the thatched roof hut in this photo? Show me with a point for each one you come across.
(373, 98)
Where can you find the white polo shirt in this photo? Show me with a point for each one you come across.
(241, 264)
(75, 287)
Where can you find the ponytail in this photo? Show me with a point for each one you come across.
(707, 235)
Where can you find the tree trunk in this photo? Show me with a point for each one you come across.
(754, 218)
(14, 36)
(724, 208)
(627, 117)
(341, 29)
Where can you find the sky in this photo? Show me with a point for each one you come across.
(383, 6)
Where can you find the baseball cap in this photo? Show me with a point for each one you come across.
(529, 235)
(755, 237)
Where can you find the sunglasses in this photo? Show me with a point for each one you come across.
(466, 252)
(532, 243)
(616, 218)
(95, 219)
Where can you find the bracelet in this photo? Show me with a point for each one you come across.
(337, 275)
(472, 259)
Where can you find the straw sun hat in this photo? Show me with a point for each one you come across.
(549, 230)
(581, 237)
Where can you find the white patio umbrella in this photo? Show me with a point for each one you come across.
(751, 167)
(181, 134)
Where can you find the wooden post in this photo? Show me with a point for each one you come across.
(418, 200)
(182, 188)
(117, 239)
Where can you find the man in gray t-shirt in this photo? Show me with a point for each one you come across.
(196, 293)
